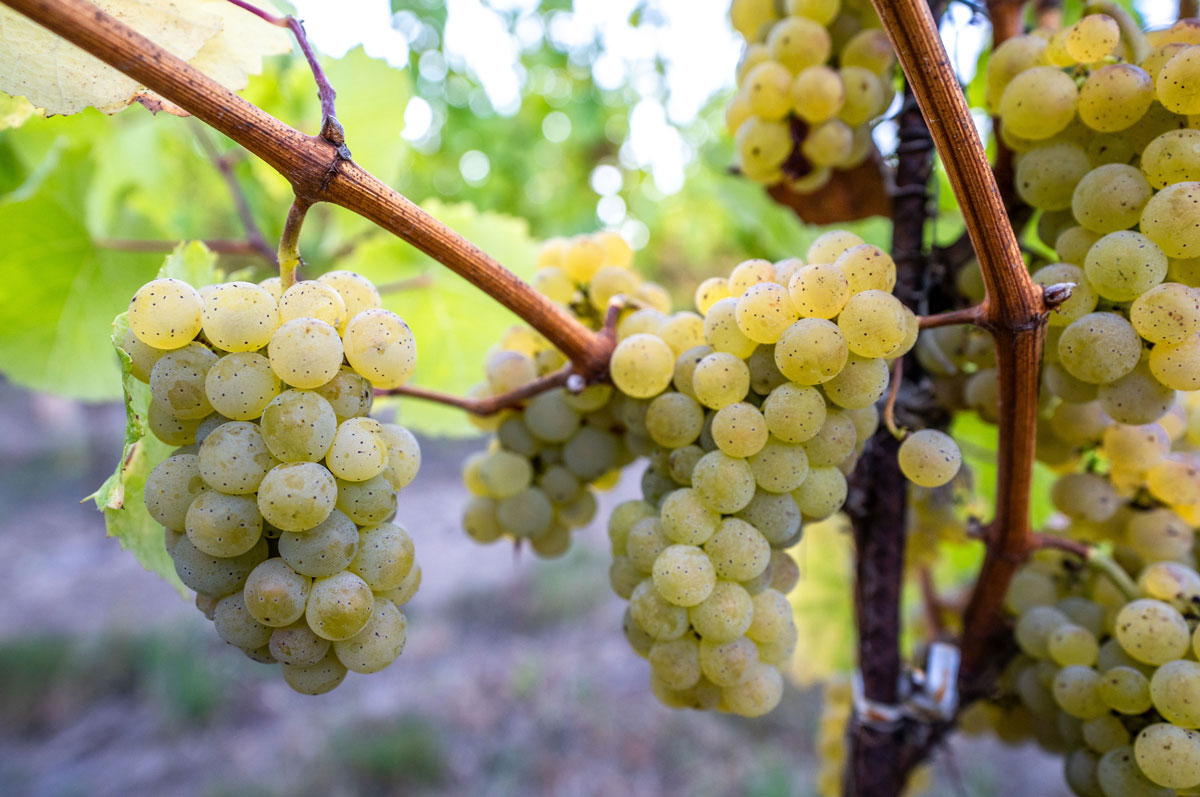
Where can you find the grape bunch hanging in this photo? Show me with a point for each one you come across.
(278, 504)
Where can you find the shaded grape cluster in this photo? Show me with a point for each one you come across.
(279, 502)
(810, 82)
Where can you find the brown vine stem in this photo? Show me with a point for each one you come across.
(489, 405)
(289, 243)
(1013, 311)
(1187, 9)
(1048, 14)
(312, 165)
(224, 165)
(967, 315)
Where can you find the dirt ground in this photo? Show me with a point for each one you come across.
(515, 680)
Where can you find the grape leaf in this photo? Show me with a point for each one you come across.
(59, 77)
(120, 497)
(454, 322)
(14, 111)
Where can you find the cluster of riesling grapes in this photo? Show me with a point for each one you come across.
(536, 481)
(755, 418)
(278, 503)
(810, 83)
(1107, 675)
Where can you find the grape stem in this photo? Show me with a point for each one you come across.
(488, 405)
(289, 243)
(224, 164)
(889, 407)
(1048, 14)
(313, 166)
(1095, 558)
(966, 315)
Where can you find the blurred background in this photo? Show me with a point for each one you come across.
(513, 121)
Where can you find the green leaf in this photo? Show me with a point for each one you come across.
(371, 98)
(120, 498)
(59, 291)
(455, 323)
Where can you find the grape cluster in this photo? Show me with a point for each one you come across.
(536, 481)
(754, 419)
(795, 116)
(1107, 676)
(278, 503)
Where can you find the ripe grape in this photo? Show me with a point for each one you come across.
(642, 365)
(1172, 219)
(166, 313)
(1038, 102)
(381, 347)
(356, 291)
(239, 316)
(297, 496)
(929, 458)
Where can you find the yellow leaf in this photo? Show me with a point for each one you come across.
(236, 53)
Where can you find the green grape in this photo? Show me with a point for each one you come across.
(177, 381)
(642, 366)
(579, 511)
(1175, 690)
(1080, 424)
(817, 94)
(237, 626)
(1152, 632)
(553, 283)
(685, 368)
(724, 615)
(674, 420)
(739, 430)
(1105, 733)
(798, 43)
(1137, 447)
(1173, 157)
(676, 662)
(166, 313)
(502, 473)
(1172, 220)
(861, 382)
(811, 351)
(1159, 534)
(403, 455)
(378, 644)
(834, 442)
(305, 352)
(723, 483)
(779, 467)
(711, 291)
(722, 332)
(764, 374)
(367, 502)
(357, 292)
(1118, 773)
(234, 458)
(1177, 365)
(1172, 582)
(866, 98)
(772, 614)
(610, 281)
(591, 399)
(407, 589)
(223, 525)
(867, 268)
(1175, 480)
(682, 331)
(1123, 265)
(1083, 297)
(239, 316)
(275, 594)
(728, 663)
(358, 452)
(593, 452)
(1100, 348)
(1136, 398)
(652, 613)
(738, 551)
(240, 385)
(1009, 59)
(1166, 313)
(528, 513)
(1126, 690)
(683, 575)
(1085, 496)
(170, 489)
(142, 357)
(297, 645)
(775, 515)
(623, 518)
(479, 520)
(828, 143)
(1110, 198)
(315, 679)
(873, 323)
(1027, 589)
(1115, 97)
(646, 540)
(623, 576)
(1168, 755)
(324, 550)
(829, 246)
(299, 426)
(869, 48)
(819, 291)
(686, 520)
(762, 147)
(1038, 102)
(720, 379)
(785, 573)
(381, 347)
(1080, 772)
(508, 370)
(767, 89)
(313, 299)
(764, 311)
(1060, 383)
(339, 606)
(1092, 38)
(1047, 174)
(1073, 244)
(1177, 82)
(749, 273)
(1034, 628)
(1071, 644)
(758, 694)
(929, 458)
(551, 419)
(297, 496)
(1076, 690)
(212, 575)
(647, 319)
(682, 461)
